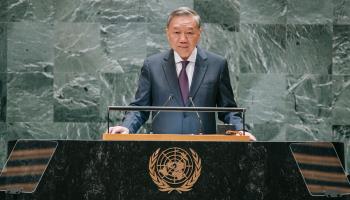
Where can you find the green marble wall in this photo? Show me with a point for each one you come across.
(62, 62)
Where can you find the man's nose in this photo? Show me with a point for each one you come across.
(183, 37)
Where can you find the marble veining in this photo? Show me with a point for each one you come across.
(100, 11)
(308, 98)
(309, 49)
(222, 12)
(263, 12)
(76, 96)
(125, 42)
(312, 12)
(264, 96)
(118, 92)
(3, 47)
(29, 10)
(341, 50)
(78, 49)
(156, 38)
(263, 49)
(158, 10)
(31, 102)
(222, 41)
(341, 11)
(30, 47)
(3, 96)
(340, 100)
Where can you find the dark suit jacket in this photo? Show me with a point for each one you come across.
(210, 87)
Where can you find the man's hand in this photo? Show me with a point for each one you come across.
(240, 133)
(251, 136)
(118, 130)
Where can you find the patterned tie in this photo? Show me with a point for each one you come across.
(183, 81)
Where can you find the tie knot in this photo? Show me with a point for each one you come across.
(184, 63)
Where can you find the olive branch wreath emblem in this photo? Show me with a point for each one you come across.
(164, 186)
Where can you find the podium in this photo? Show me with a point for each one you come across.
(144, 167)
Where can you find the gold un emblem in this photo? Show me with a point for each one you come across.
(174, 169)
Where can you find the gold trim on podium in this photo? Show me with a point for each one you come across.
(175, 137)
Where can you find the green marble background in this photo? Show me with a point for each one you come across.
(62, 62)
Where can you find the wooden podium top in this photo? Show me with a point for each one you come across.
(174, 137)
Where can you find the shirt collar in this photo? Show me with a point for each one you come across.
(192, 57)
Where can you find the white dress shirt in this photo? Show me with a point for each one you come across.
(190, 65)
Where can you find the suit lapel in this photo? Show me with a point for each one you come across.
(199, 71)
(169, 69)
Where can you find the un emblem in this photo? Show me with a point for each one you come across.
(174, 169)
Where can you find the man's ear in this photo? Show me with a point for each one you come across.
(167, 33)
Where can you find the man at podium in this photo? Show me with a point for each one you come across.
(185, 75)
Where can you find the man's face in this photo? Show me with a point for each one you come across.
(183, 35)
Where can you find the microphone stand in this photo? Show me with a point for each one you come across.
(199, 118)
(157, 113)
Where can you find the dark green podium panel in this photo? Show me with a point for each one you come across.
(107, 170)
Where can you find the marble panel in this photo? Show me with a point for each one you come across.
(341, 11)
(30, 47)
(269, 131)
(116, 90)
(125, 42)
(156, 38)
(341, 133)
(217, 39)
(264, 97)
(30, 10)
(309, 12)
(76, 97)
(3, 11)
(308, 132)
(309, 99)
(54, 131)
(262, 48)
(341, 103)
(309, 49)
(3, 144)
(3, 96)
(158, 10)
(29, 97)
(100, 11)
(341, 49)
(78, 48)
(223, 12)
(263, 12)
(3, 47)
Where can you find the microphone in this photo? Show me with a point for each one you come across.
(157, 113)
(199, 118)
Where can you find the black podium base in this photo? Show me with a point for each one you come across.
(101, 170)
